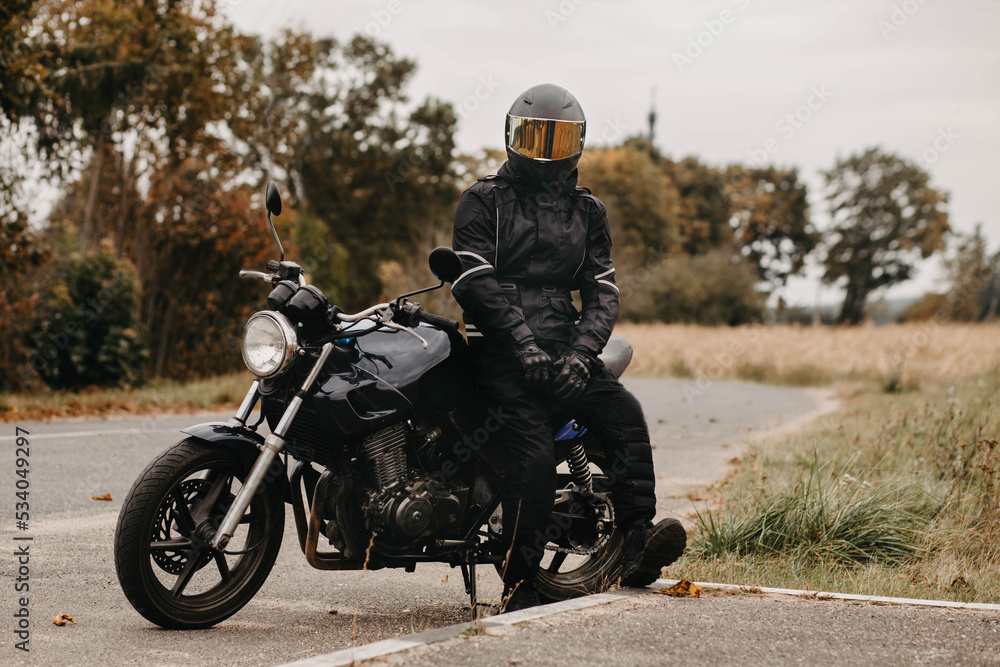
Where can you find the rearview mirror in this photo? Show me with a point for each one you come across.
(445, 264)
(272, 199)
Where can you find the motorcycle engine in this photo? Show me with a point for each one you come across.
(408, 505)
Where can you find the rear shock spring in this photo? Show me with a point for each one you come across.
(579, 466)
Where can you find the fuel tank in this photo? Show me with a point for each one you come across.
(392, 376)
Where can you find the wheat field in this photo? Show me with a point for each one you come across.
(897, 356)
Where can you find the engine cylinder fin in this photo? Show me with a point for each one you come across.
(387, 455)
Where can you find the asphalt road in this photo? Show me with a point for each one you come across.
(720, 629)
(695, 430)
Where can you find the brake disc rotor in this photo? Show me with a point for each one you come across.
(170, 561)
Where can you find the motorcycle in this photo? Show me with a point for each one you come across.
(378, 443)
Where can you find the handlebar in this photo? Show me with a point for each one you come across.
(439, 321)
(368, 312)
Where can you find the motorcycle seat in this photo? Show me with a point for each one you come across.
(617, 355)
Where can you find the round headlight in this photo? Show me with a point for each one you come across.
(269, 344)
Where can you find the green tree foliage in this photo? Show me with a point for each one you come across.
(21, 72)
(885, 217)
(180, 120)
(85, 332)
(712, 288)
(382, 184)
(971, 270)
(770, 220)
(705, 209)
(642, 200)
(21, 252)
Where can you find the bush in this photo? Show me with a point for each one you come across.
(85, 331)
(711, 289)
(847, 520)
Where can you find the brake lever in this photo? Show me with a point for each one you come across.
(400, 327)
(267, 277)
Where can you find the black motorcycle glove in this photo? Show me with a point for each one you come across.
(574, 373)
(534, 362)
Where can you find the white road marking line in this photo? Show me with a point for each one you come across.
(80, 434)
(822, 595)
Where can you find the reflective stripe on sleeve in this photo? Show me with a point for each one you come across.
(606, 273)
(470, 271)
(605, 282)
(466, 253)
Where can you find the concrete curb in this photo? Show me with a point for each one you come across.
(350, 656)
(354, 655)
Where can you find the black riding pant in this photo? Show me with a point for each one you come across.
(605, 407)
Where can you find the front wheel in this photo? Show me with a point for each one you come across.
(165, 565)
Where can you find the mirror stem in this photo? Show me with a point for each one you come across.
(274, 233)
(399, 299)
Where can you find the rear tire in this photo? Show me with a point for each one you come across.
(165, 566)
(563, 576)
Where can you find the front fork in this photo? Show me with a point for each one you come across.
(273, 444)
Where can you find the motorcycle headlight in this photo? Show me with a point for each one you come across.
(269, 344)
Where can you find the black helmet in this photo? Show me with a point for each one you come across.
(545, 134)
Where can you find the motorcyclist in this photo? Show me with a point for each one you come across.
(528, 237)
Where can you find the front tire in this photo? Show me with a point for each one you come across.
(165, 566)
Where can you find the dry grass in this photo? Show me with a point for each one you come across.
(220, 393)
(919, 471)
(897, 356)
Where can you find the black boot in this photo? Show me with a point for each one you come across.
(646, 549)
(522, 596)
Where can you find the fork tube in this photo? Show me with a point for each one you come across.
(272, 445)
(246, 407)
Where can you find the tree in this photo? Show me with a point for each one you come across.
(971, 270)
(377, 171)
(21, 253)
(885, 217)
(770, 220)
(642, 201)
(714, 288)
(85, 333)
(704, 212)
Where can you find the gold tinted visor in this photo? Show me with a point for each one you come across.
(541, 139)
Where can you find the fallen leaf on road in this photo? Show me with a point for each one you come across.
(62, 618)
(445, 580)
(683, 589)
(106, 496)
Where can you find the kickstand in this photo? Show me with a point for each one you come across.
(469, 577)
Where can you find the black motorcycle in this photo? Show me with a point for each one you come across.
(378, 443)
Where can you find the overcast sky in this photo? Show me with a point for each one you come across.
(919, 77)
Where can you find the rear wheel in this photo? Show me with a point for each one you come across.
(582, 557)
(165, 565)
(582, 560)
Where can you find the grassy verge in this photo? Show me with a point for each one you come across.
(896, 494)
(218, 393)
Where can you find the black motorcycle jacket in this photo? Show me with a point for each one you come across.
(524, 250)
